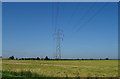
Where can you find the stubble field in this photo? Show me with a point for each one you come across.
(57, 68)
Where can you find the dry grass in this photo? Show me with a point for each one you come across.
(64, 68)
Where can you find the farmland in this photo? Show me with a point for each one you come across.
(63, 68)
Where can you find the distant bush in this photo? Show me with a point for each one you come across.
(106, 58)
(46, 58)
(37, 58)
(11, 58)
(23, 58)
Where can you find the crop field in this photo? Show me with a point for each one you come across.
(60, 68)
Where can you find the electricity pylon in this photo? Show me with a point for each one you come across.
(59, 38)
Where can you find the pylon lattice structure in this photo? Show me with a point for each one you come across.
(59, 38)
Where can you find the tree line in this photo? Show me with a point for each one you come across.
(46, 58)
(38, 58)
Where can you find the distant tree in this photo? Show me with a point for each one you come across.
(106, 58)
(34, 58)
(37, 58)
(42, 59)
(23, 58)
(11, 58)
(46, 58)
(16, 58)
(82, 59)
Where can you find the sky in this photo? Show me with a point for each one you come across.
(1, 28)
(90, 29)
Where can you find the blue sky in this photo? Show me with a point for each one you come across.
(90, 29)
(1, 29)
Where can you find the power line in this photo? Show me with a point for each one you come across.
(96, 13)
(57, 14)
(85, 14)
(73, 13)
(52, 13)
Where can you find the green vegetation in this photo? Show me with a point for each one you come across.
(64, 68)
(20, 74)
(11, 58)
